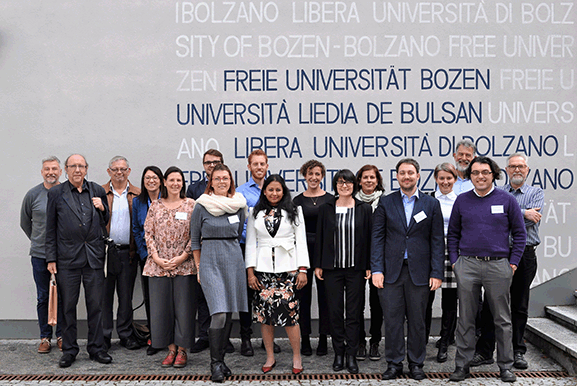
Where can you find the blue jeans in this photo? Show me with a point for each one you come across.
(42, 280)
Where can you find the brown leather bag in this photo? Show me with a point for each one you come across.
(53, 302)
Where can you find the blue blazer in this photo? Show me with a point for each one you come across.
(196, 189)
(424, 240)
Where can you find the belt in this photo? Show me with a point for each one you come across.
(220, 238)
(530, 248)
(487, 258)
(121, 246)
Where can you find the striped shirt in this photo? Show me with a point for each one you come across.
(528, 197)
(345, 238)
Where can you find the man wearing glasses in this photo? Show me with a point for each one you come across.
(481, 223)
(75, 213)
(530, 199)
(121, 263)
(210, 159)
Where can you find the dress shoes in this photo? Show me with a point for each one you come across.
(180, 360)
(276, 347)
(417, 373)
(66, 360)
(392, 372)
(101, 357)
(339, 362)
(442, 355)
(460, 374)
(44, 346)
(520, 362)
(59, 343)
(151, 350)
(507, 376)
(130, 343)
(246, 348)
(268, 369)
(352, 366)
(199, 345)
(297, 371)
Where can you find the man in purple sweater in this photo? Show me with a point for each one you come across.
(482, 223)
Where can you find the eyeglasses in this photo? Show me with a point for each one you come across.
(484, 172)
(211, 163)
(151, 178)
(345, 183)
(121, 170)
(80, 167)
(223, 179)
(520, 167)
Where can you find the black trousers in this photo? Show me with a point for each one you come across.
(344, 285)
(120, 278)
(145, 291)
(69, 289)
(245, 318)
(404, 300)
(376, 315)
(520, 286)
(449, 315)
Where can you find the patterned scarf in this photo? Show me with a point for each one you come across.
(372, 198)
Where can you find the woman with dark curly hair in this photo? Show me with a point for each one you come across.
(277, 260)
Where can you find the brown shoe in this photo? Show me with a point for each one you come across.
(59, 343)
(180, 360)
(169, 360)
(44, 347)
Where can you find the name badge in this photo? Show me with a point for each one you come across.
(341, 210)
(233, 219)
(497, 209)
(181, 216)
(420, 216)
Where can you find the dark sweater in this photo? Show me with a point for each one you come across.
(476, 227)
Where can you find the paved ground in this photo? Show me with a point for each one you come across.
(20, 357)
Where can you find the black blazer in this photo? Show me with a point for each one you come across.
(64, 240)
(423, 240)
(324, 256)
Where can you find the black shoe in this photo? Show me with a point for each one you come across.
(374, 353)
(322, 348)
(228, 348)
(417, 373)
(442, 355)
(130, 343)
(101, 357)
(479, 360)
(217, 373)
(460, 374)
(362, 351)
(246, 348)
(107, 344)
(151, 350)
(392, 372)
(276, 347)
(339, 362)
(66, 360)
(520, 362)
(199, 345)
(507, 376)
(306, 348)
(352, 366)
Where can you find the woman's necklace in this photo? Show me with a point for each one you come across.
(314, 200)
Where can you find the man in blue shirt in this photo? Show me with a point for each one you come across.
(530, 199)
(210, 159)
(258, 167)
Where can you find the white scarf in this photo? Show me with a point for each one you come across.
(372, 198)
(219, 205)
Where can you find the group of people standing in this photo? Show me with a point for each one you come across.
(215, 250)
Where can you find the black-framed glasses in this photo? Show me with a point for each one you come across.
(211, 163)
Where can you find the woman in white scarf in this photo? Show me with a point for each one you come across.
(216, 226)
(371, 189)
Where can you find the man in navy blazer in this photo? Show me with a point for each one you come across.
(407, 257)
(75, 213)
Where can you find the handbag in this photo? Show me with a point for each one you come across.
(53, 302)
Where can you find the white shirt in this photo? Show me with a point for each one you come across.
(446, 201)
(120, 217)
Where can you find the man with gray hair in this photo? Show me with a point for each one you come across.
(33, 223)
(463, 155)
(122, 263)
(530, 200)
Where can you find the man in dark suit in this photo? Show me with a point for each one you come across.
(75, 247)
(407, 257)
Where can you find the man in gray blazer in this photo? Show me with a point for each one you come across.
(407, 257)
(75, 213)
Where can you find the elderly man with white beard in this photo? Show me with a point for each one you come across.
(463, 155)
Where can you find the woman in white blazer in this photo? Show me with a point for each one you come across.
(277, 260)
